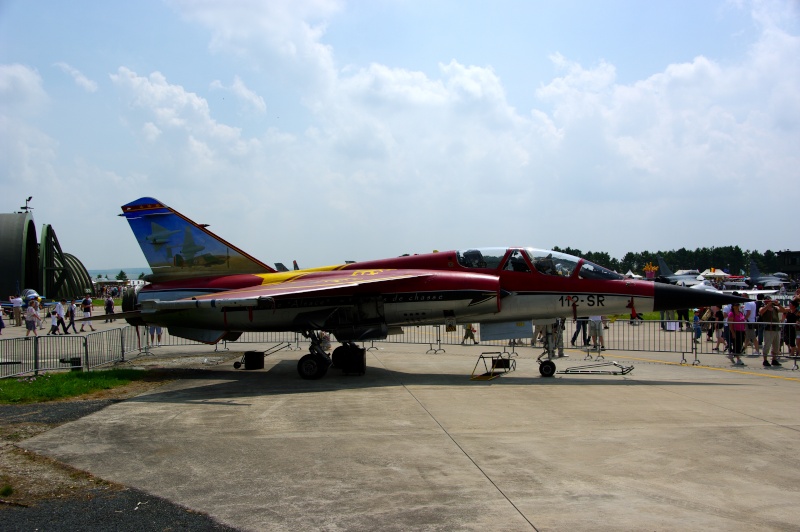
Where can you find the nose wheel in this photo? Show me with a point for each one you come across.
(547, 368)
(315, 364)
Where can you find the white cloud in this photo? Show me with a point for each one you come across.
(443, 144)
(284, 35)
(21, 89)
(151, 132)
(240, 90)
(80, 80)
(172, 106)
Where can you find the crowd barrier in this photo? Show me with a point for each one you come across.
(20, 356)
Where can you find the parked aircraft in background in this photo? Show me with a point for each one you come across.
(665, 275)
(282, 268)
(27, 295)
(361, 301)
(758, 279)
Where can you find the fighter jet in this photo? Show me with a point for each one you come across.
(365, 301)
(680, 279)
(758, 279)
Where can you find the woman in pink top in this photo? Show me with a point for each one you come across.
(737, 323)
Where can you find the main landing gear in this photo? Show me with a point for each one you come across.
(350, 358)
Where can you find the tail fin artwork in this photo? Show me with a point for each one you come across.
(663, 269)
(172, 244)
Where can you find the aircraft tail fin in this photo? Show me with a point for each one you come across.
(294, 263)
(663, 269)
(755, 272)
(176, 247)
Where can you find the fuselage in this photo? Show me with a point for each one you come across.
(479, 285)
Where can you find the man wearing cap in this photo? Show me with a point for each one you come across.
(770, 316)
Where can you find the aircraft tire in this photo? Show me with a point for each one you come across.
(312, 367)
(339, 356)
(547, 368)
(358, 361)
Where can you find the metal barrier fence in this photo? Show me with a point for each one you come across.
(43, 353)
(19, 356)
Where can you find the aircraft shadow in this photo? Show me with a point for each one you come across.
(282, 379)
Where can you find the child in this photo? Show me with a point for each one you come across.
(698, 329)
(53, 323)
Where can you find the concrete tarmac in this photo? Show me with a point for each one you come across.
(416, 445)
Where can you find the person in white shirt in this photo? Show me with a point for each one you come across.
(596, 331)
(16, 303)
(751, 333)
(60, 313)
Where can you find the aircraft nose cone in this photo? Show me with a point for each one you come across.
(670, 297)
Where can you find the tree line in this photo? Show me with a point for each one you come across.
(731, 259)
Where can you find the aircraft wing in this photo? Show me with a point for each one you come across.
(750, 292)
(303, 284)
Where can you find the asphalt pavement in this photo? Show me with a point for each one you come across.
(416, 444)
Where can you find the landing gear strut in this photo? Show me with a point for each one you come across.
(547, 368)
(315, 364)
(350, 358)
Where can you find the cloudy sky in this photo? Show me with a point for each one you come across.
(325, 130)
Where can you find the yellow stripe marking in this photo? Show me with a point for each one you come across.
(700, 366)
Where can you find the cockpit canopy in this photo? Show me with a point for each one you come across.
(543, 261)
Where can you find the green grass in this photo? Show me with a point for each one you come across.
(52, 386)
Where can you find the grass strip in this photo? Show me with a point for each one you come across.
(52, 386)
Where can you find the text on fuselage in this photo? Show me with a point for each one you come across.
(591, 300)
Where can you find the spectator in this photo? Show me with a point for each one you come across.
(698, 329)
(54, 319)
(737, 325)
(770, 318)
(109, 308)
(580, 326)
(16, 303)
(86, 307)
(596, 332)
(557, 336)
(683, 317)
(751, 331)
(726, 330)
(32, 318)
(61, 310)
(2, 324)
(719, 328)
(790, 330)
(71, 309)
(469, 334)
(155, 332)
